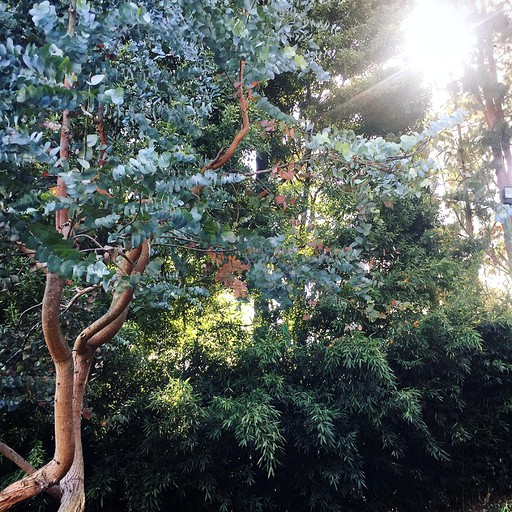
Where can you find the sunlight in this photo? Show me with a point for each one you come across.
(438, 39)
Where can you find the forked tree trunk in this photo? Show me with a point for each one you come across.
(72, 371)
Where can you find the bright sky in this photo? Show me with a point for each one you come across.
(438, 39)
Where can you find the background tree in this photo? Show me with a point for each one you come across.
(477, 155)
(104, 179)
(316, 407)
(358, 44)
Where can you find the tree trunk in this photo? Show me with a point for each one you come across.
(71, 374)
(490, 98)
(53, 472)
(72, 485)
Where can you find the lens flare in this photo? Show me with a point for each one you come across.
(438, 39)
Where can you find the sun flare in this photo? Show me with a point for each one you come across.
(438, 38)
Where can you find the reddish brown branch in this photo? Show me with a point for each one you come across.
(109, 331)
(23, 464)
(100, 121)
(112, 328)
(62, 216)
(101, 133)
(224, 156)
(122, 298)
(57, 345)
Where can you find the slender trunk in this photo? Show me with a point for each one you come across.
(490, 98)
(468, 213)
(54, 471)
(72, 485)
(468, 216)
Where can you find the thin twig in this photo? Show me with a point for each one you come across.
(79, 294)
(198, 249)
(83, 235)
(29, 309)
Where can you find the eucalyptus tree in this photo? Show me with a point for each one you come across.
(105, 185)
(477, 153)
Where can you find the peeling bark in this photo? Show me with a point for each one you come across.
(23, 464)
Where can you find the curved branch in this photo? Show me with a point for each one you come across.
(121, 299)
(109, 331)
(57, 345)
(128, 261)
(223, 157)
(23, 464)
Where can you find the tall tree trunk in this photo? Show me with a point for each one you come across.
(72, 371)
(72, 485)
(51, 473)
(490, 96)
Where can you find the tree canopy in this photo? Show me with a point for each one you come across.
(133, 228)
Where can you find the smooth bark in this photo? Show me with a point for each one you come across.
(51, 473)
(72, 485)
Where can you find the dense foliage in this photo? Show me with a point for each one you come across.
(318, 409)
(305, 335)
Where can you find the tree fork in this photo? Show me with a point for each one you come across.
(121, 299)
(72, 485)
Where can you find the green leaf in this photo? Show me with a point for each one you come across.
(116, 95)
(407, 142)
(92, 140)
(289, 52)
(300, 61)
(96, 79)
(84, 163)
(44, 16)
(107, 222)
(229, 236)
(344, 149)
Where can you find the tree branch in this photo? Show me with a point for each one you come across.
(23, 464)
(79, 294)
(224, 156)
(120, 301)
(101, 133)
(62, 216)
